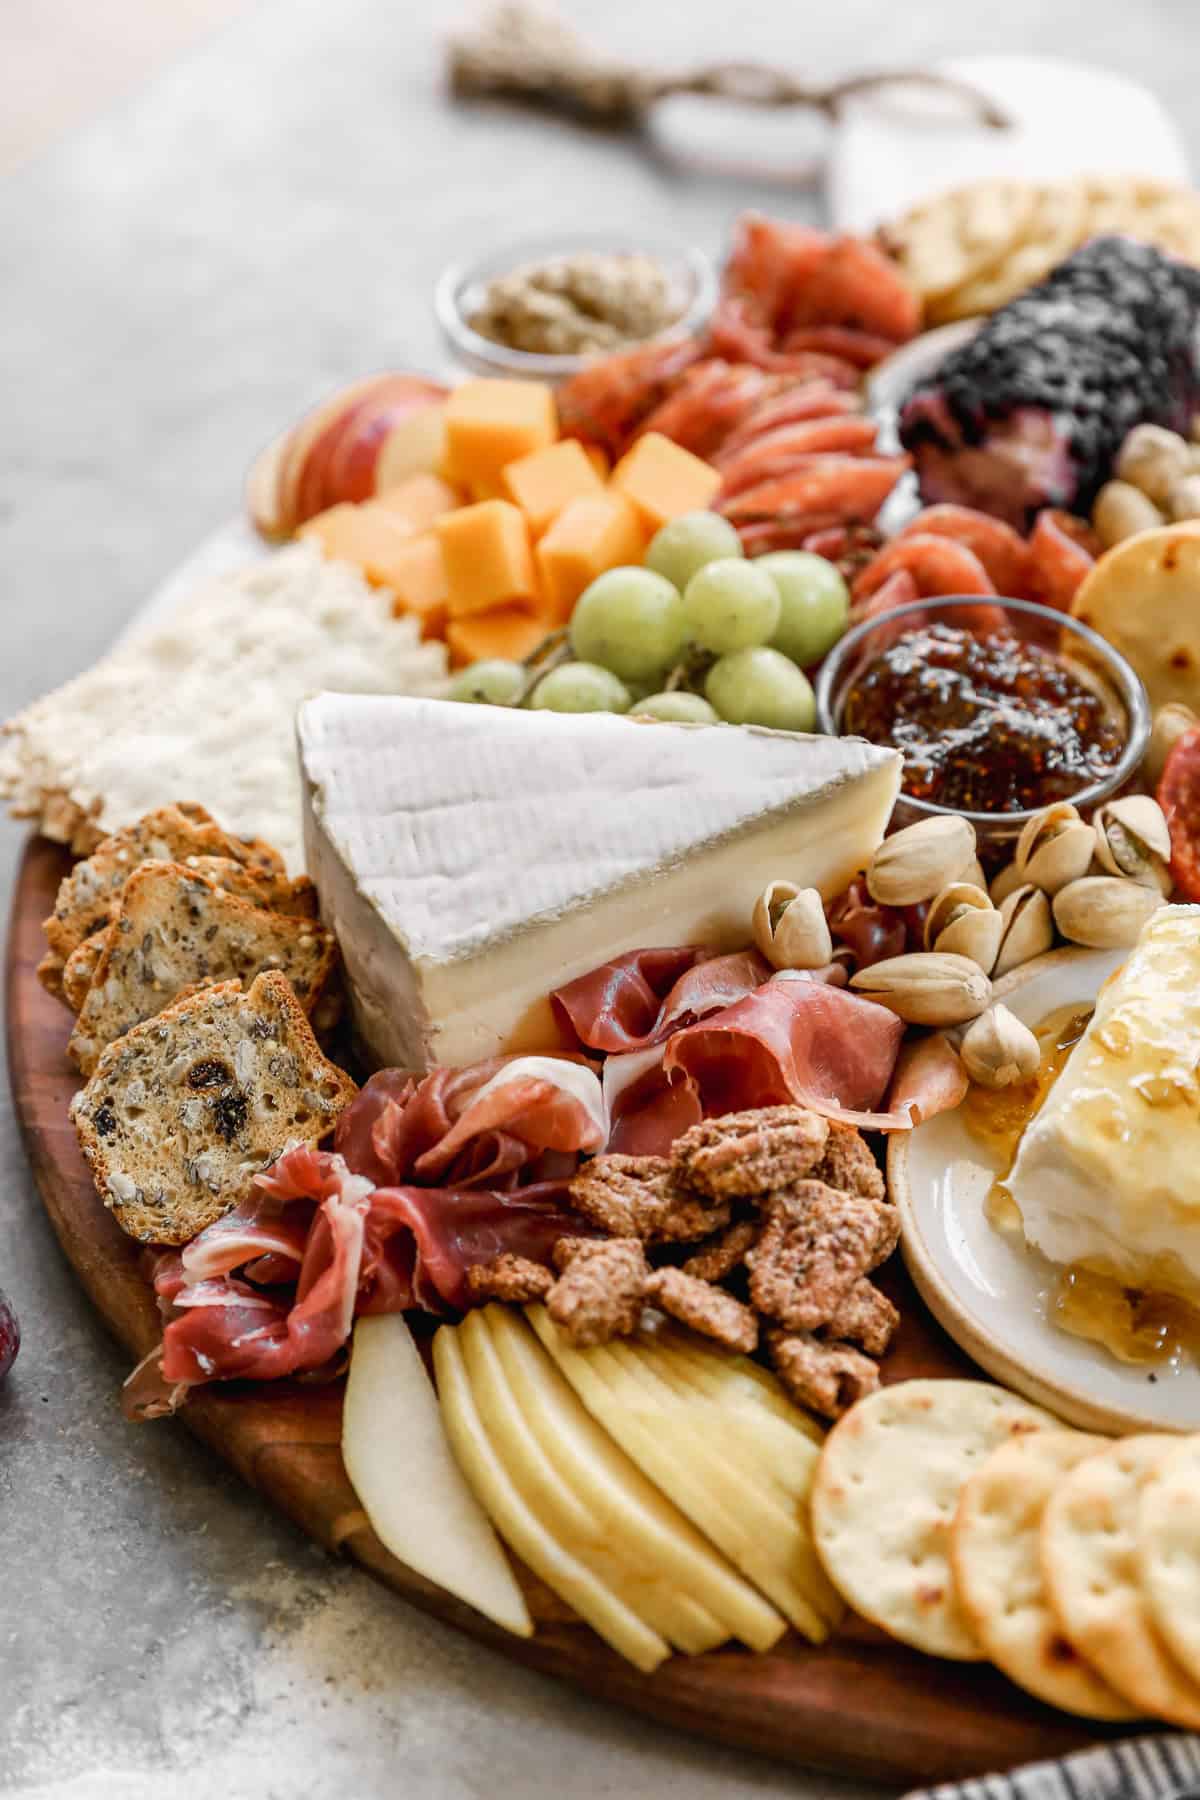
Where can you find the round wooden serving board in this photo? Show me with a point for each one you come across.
(860, 1704)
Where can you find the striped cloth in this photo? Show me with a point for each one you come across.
(1147, 1768)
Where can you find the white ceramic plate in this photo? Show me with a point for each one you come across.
(991, 1292)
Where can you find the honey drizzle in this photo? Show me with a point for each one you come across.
(1135, 1326)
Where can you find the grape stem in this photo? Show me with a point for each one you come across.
(549, 654)
(688, 671)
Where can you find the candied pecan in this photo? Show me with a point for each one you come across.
(815, 1245)
(866, 1317)
(750, 1153)
(599, 1294)
(511, 1278)
(849, 1165)
(720, 1254)
(568, 1248)
(637, 1196)
(705, 1308)
(827, 1378)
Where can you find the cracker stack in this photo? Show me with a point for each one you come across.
(972, 250)
(969, 1524)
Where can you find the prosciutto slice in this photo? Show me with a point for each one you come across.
(798, 1041)
(482, 1126)
(638, 1000)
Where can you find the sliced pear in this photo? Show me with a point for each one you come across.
(560, 1504)
(765, 1538)
(410, 1486)
(628, 1506)
(510, 1511)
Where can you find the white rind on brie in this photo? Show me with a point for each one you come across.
(471, 858)
(1108, 1172)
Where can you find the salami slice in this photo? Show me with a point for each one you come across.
(1061, 554)
(1179, 797)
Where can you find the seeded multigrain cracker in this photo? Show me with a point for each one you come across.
(87, 896)
(826, 1378)
(747, 1154)
(80, 967)
(886, 1491)
(816, 1244)
(1168, 1532)
(600, 1293)
(1089, 1557)
(174, 929)
(997, 1566)
(513, 1279)
(638, 1197)
(184, 1110)
(707, 1309)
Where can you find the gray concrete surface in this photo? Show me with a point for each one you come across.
(266, 219)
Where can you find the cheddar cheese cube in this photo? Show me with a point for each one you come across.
(512, 632)
(367, 536)
(420, 585)
(663, 481)
(491, 423)
(419, 500)
(488, 556)
(542, 483)
(589, 536)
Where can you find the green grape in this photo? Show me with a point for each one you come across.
(683, 545)
(492, 682)
(580, 687)
(758, 686)
(731, 605)
(630, 621)
(815, 604)
(682, 707)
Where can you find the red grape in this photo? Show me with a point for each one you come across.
(10, 1335)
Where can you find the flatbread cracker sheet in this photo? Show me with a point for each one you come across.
(204, 705)
(886, 1492)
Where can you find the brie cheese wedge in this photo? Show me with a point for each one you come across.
(1106, 1172)
(472, 858)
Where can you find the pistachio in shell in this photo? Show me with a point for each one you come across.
(1055, 847)
(998, 1050)
(1104, 912)
(1006, 882)
(916, 863)
(1134, 840)
(933, 988)
(1027, 928)
(963, 922)
(790, 927)
(1170, 723)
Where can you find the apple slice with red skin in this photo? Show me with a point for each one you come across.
(351, 469)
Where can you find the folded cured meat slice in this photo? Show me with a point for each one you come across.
(639, 999)
(794, 1040)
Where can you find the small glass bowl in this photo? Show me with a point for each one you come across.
(459, 293)
(1092, 657)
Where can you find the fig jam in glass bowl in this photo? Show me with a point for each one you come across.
(999, 709)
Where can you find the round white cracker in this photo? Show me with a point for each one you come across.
(997, 1568)
(1144, 597)
(1058, 225)
(1168, 1543)
(1090, 1567)
(948, 239)
(884, 1499)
